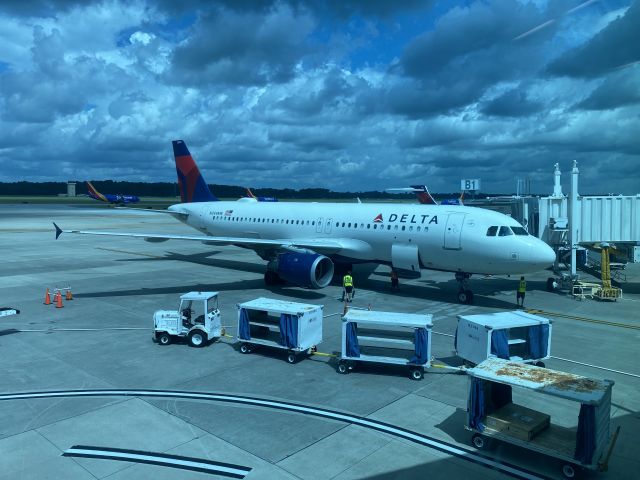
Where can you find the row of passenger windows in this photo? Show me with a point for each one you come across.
(505, 231)
(369, 226)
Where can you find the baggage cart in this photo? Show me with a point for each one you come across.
(290, 326)
(491, 413)
(517, 336)
(386, 337)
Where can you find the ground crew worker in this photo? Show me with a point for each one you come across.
(347, 286)
(522, 289)
(394, 280)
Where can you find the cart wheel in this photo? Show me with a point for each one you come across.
(416, 373)
(291, 358)
(478, 441)
(342, 368)
(244, 348)
(164, 338)
(569, 471)
(540, 364)
(197, 339)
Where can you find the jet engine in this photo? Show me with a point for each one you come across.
(310, 270)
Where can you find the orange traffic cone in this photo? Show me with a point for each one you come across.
(47, 298)
(58, 299)
(68, 295)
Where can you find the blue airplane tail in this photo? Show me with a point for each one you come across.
(192, 185)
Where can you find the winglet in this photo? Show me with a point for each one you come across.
(58, 230)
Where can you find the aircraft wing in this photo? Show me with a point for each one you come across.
(327, 247)
(177, 215)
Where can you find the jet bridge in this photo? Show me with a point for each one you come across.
(594, 220)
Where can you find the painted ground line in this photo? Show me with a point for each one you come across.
(455, 450)
(162, 459)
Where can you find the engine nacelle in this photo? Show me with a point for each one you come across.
(310, 270)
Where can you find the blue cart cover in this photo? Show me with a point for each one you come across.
(538, 340)
(500, 344)
(476, 405)
(586, 436)
(421, 337)
(288, 330)
(353, 349)
(243, 325)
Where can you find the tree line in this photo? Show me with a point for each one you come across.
(166, 189)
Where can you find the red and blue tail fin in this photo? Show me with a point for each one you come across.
(192, 186)
(93, 193)
(424, 197)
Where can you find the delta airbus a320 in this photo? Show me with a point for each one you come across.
(305, 243)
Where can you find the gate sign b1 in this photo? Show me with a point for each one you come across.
(471, 184)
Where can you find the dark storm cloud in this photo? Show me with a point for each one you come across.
(334, 8)
(54, 86)
(334, 89)
(243, 48)
(514, 103)
(463, 31)
(619, 89)
(37, 8)
(618, 44)
(470, 50)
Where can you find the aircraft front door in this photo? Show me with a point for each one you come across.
(453, 231)
(327, 226)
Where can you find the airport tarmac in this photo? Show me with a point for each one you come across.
(120, 282)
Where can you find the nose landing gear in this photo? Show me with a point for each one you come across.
(465, 295)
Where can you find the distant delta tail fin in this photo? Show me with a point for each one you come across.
(424, 197)
(461, 199)
(192, 186)
(93, 193)
(249, 193)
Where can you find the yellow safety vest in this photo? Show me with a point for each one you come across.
(522, 287)
(347, 281)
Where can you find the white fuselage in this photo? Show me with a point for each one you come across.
(409, 237)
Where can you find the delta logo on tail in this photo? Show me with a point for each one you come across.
(118, 198)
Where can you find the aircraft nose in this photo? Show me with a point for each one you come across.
(542, 255)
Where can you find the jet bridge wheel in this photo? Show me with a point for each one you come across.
(164, 338)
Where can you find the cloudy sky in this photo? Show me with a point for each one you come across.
(341, 94)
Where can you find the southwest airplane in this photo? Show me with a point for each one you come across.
(304, 243)
(109, 197)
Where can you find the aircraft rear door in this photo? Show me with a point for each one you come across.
(453, 231)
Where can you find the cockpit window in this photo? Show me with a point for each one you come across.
(492, 231)
(519, 231)
(504, 231)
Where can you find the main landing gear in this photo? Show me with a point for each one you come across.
(465, 295)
